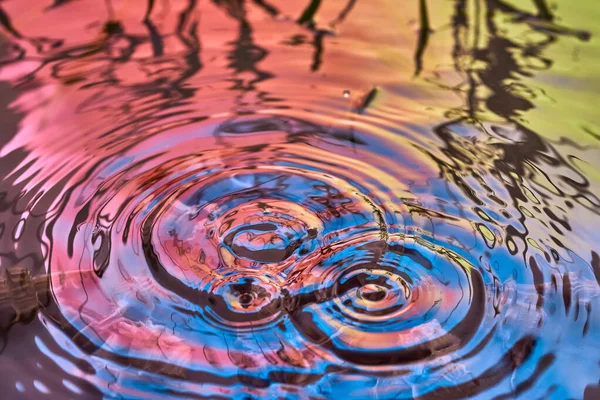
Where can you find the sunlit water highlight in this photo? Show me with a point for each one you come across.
(299, 200)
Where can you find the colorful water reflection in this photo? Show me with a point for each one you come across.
(299, 199)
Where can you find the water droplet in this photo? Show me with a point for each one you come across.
(372, 292)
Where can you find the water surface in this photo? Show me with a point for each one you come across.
(299, 199)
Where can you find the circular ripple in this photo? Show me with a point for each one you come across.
(388, 249)
(193, 247)
(244, 301)
(375, 302)
(273, 261)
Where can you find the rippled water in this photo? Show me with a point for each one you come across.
(300, 199)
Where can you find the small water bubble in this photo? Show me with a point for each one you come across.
(20, 387)
(245, 299)
(346, 93)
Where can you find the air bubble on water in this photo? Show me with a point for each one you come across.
(346, 93)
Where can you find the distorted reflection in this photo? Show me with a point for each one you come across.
(299, 199)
